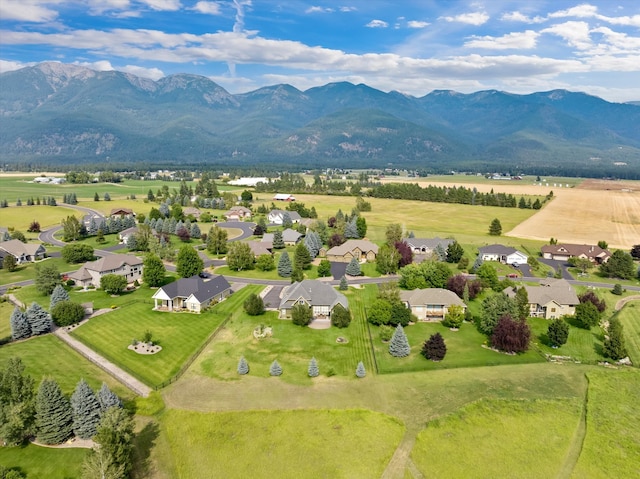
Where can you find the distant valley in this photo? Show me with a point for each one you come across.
(58, 114)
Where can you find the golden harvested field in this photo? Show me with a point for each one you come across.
(592, 211)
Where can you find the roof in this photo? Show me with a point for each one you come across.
(129, 231)
(588, 250)
(428, 243)
(190, 210)
(418, 297)
(242, 209)
(294, 215)
(290, 236)
(81, 275)
(283, 196)
(350, 245)
(111, 262)
(314, 292)
(260, 247)
(550, 289)
(121, 211)
(18, 248)
(497, 249)
(202, 290)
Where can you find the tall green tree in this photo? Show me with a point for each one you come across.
(361, 225)
(587, 315)
(39, 319)
(301, 314)
(115, 435)
(107, 398)
(387, 259)
(399, 344)
(278, 242)
(614, 346)
(454, 252)
(301, 257)
(54, 419)
(285, 267)
(47, 277)
(493, 308)
(620, 265)
(77, 253)
(153, 271)
(240, 257)
(16, 402)
(20, 327)
(58, 294)
(340, 316)
(393, 234)
(217, 240)
(71, 228)
(324, 268)
(85, 410)
(495, 229)
(188, 263)
(113, 283)
(9, 263)
(558, 332)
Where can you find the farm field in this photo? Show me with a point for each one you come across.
(20, 217)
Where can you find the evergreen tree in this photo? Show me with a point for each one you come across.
(495, 229)
(278, 242)
(399, 344)
(275, 369)
(360, 370)
(558, 332)
(351, 229)
(301, 314)
(16, 403)
(614, 346)
(434, 348)
(286, 221)
(86, 411)
(20, 327)
(344, 285)
(58, 294)
(313, 371)
(54, 419)
(301, 257)
(361, 226)
(107, 197)
(243, 366)
(39, 319)
(284, 265)
(10, 263)
(107, 398)
(454, 252)
(254, 305)
(353, 268)
(195, 231)
(312, 242)
(340, 316)
(96, 197)
(115, 437)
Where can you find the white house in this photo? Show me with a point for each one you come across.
(276, 217)
(121, 264)
(503, 254)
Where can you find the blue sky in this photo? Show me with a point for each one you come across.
(412, 46)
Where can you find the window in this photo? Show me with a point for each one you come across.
(553, 310)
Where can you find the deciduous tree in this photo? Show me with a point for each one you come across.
(340, 316)
(301, 314)
(324, 268)
(587, 315)
(511, 335)
(77, 253)
(66, 313)
(614, 346)
(188, 263)
(153, 270)
(115, 437)
(217, 240)
(113, 283)
(47, 277)
(240, 257)
(454, 317)
(9, 263)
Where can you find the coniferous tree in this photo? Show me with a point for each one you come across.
(353, 268)
(20, 326)
(284, 265)
(344, 285)
(54, 419)
(286, 221)
(434, 348)
(360, 370)
(39, 319)
(351, 229)
(115, 437)
(16, 403)
(254, 305)
(243, 366)
(558, 332)
(86, 411)
(399, 344)
(495, 229)
(58, 294)
(313, 370)
(340, 316)
(275, 369)
(278, 242)
(614, 346)
(107, 398)
(301, 257)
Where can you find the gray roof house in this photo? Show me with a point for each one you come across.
(276, 216)
(23, 252)
(362, 250)
(191, 294)
(289, 236)
(554, 298)
(427, 246)
(91, 272)
(503, 254)
(430, 304)
(320, 296)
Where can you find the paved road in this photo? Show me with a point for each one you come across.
(555, 264)
(246, 227)
(47, 236)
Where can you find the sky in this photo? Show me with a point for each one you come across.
(411, 46)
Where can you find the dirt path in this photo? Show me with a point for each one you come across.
(575, 449)
(401, 460)
(623, 301)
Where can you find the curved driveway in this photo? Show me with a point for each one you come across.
(246, 227)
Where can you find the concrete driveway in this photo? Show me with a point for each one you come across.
(555, 264)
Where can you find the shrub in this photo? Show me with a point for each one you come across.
(511, 335)
(454, 317)
(313, 370)
(341, 316)
(301, 314)
(243, 366)
(587, 315)
(434, 348)
(591, 297)
(113, 283)
(66, 313)
(275, 369)
(254, 305)
(386, 332)
(558, 332)
(360, 370)
(617, 289)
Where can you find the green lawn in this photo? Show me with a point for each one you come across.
(20, 217)
(630, 318)
(5, 324)
(44, 462)
(293, 346)
(584, 345)
(612, 444)
(514, 439)
(48, 356)
(285, 444)
(179, 334)
(27, 271)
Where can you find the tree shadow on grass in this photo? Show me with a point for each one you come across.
(143, 444)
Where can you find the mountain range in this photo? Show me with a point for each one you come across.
(61, 114)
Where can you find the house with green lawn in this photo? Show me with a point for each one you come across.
(430, 304)
(321, 297)
(192, 294)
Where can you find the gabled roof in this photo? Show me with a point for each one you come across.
(314, 292)
(350, 245)
(111, 262)
(260, 247)
(435, 296)
(588, 250)
(290, 236)
(121, 211)
(428, 243)
(294, 215)
(550, 289)
(18, 248)
(129, 231)
(202, 290)
(497, 249)
(242, 209)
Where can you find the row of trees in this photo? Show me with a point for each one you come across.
(313, 370)
(46, 201)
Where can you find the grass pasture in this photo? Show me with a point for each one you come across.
(5, 316)
(515, 439)
(44, 462)
(285, 444)
(20, 217)
(27, 271)
(629, 316)
(584, 345)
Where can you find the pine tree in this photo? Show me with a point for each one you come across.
(54, 419)
(278, 242)
(313, 370)
(344, 285)
(399, 344)
(495, 229)
(614, 346)
(558, 332)
(284, 265)
(39, 319)
(20, 327)
(301, 257)
(286, 221)
(434, 348)
(351, 229)
(243, 366)
(86, 411)
(107, 398)
(58, 294)
(275, 369)
(353, 268)
(360, 370)
(195, 231)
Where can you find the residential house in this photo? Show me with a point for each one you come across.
(237, 213)
(260, 247)
(362, 250)
(431, 304)
(91, 272)
(284, 197)
(503, 254)
(563, 252)
(23, 252)
(124, 235)
(192, 211)
(276, 217)
(427, 246)
(122, 213)
(191, 294)
(554, 298)
(320, 296)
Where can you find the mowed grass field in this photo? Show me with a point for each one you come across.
(44, 462)
(20, 217)
(6, 309)
(490, 438)
(629, 316)
(346, 444)
(584, 345)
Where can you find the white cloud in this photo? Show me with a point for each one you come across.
(348, 9)
(207, 8)
(22, 11)
(576, 34)
(9, 66)
(521, 17)
(163, 5)
(106, 66)
(377, 24)
(98, 7)
(591, 11)
(417, 24)
(473, 18)
(515, 40)
(316, 9)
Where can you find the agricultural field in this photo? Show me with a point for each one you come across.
(20, 217)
